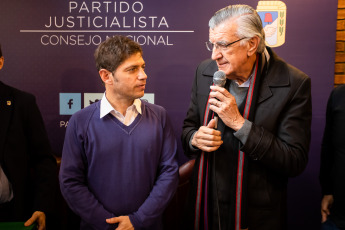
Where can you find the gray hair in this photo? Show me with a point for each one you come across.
(247, 19)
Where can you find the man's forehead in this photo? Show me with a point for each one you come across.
(222, 33)
(134, 59)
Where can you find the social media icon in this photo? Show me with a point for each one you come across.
(69, 103)
(90, 98)
(149, 97)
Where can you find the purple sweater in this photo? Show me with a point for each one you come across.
(109, 169)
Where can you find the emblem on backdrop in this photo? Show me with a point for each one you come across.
(273, 17)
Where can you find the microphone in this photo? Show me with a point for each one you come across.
(219, 79)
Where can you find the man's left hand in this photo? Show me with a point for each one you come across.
(123, 221)
(39, 218)
(326, 204)
(224, 104)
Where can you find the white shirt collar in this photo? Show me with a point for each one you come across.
(107, 108)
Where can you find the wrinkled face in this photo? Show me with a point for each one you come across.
(129, 79)
(232, 59)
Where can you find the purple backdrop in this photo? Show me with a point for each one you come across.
(47, 58)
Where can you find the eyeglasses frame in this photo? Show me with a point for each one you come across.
(220, 46)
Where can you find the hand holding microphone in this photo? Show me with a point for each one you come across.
(223, 104)
(219, 79)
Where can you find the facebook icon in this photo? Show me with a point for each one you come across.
(69, 103)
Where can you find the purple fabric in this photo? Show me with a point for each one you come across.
(109, 169)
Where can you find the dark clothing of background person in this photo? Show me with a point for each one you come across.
(277, 144)
(25, 156)
(332, 170)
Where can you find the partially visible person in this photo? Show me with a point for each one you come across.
(118, 168)
(28, 170)
(332, 167)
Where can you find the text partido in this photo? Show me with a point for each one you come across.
(105, 7)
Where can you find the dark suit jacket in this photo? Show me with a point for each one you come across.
(278, 143)
(25, 153)
(332, 170)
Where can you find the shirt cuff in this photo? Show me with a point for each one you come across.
(190, 143)
(242, 133)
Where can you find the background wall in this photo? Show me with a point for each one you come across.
(54, 59)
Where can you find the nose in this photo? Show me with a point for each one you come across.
(142, 75)
(216, 54)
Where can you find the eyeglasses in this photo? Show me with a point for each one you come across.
(210, 46)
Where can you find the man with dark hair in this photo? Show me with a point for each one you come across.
(332, 170)
(264, 118)
(28, 172)
(118, 162)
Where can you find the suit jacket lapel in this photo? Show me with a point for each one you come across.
(275, 67)
(265, 92)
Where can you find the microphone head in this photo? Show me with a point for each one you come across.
(219, 78)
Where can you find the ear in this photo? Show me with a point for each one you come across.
(253, 44)
(106, 76)
(1, 62)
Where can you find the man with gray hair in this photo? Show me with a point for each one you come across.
(263, 119)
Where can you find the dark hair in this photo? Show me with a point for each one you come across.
(0, 51)
(114, 51)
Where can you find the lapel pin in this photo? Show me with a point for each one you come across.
(9, 102)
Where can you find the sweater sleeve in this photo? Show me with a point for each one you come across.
(73, 179)
(165, 185)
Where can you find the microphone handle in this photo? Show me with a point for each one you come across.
(216, 119)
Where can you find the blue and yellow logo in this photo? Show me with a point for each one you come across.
(273, 17)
